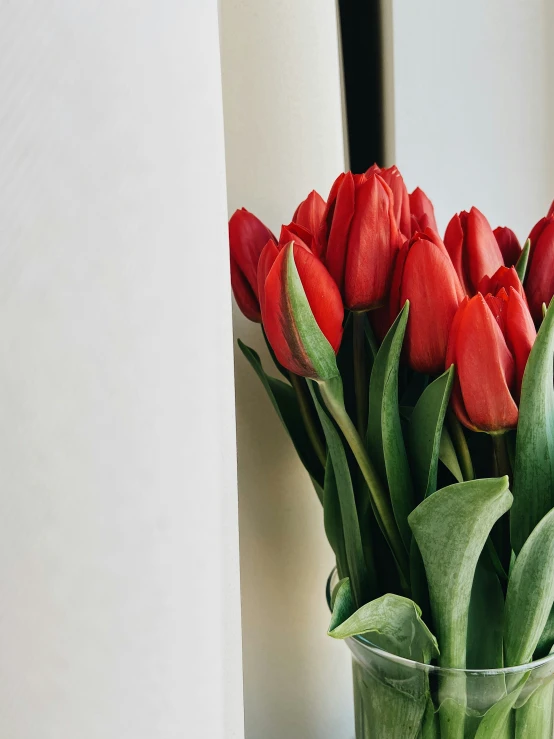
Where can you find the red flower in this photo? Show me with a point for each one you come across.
(504, 277)
(424, 275)
(247, 238)
(473, 248)
(309, 215)
(395, 181)
(509, 245)
(423, 212)
(282, 323)
(489, 344)
(539, 284)
(359, 239)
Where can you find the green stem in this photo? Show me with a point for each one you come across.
(332, 397)
(360, 375)
(299, 385)
(502, 460)
(460, 445)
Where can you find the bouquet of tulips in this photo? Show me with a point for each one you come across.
(414, 376)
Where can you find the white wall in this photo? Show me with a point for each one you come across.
(284, 137)
(474, 91)
(119, 611)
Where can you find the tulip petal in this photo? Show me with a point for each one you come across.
(485, 369)
(483, 255)
(454, 242)
(520, 334)
(267, 257)
(309, 215)
(508, 244)
(338, 216)
(539, 284)
(245, 296)
(422, 210)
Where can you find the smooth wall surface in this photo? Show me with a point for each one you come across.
(473, 92)
(119, 615)
(284, 137)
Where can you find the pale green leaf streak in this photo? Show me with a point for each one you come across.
(451, 528)
(534, 463)
(392, 623)
(313, 340)
(425, 432)
(530, 594)
(385, 440)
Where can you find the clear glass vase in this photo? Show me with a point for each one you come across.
(396, 698)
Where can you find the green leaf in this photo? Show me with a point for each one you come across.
(496, 721)
(534, 464)
(547, 638)
(530, 594)
(384, 432)
(312, 340)
(425, 432)
(430, 725)
(332, 519)
(534, 719)
(343, 603)
(392, 623)
(451, 527)
(486, 620)
(285, 403)
(360, 579)
(521, 266)
(448, 456)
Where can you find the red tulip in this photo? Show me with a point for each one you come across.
(285, 325)
(359, 239)
(425, 276)
(298, 234)
(489, 344)
(309, 215)
(473, 248)
(247, 238)
(423, 212)
(539, 284)
(509, 245)
(395, 181)
(504, 277)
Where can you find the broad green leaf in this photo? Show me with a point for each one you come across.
(530, 594)
(384, 433)
(332, 519)
(547, 637)
(392, 623)
(285, 403)
(486, 620)
(534, 719)
(425, 431)
(451, 527)
(448, 456)
(534, 464)
(430, 724)
(496, 721)
(360, 579)
(521, 266)
(342, 603)
(312, 341)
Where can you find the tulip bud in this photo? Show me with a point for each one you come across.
(309, 215)
(247, 238)
(302, 311)
(425, 276)
(473, 248)
(509, 245)
(539, 283)
(401, 199)
(490, 341)
(359, 239)
(423, 212)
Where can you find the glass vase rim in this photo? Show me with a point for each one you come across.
(413, 664)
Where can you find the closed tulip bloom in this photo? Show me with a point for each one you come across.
(309, 215)
(360, 239)
(489, 344)
(509, 245)
(423, 212)
(298, 234)
(247, 238)
(539, 283)
(504, 277)
(282, 320)
(401, 199)
(473, 248)
(425, 276)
